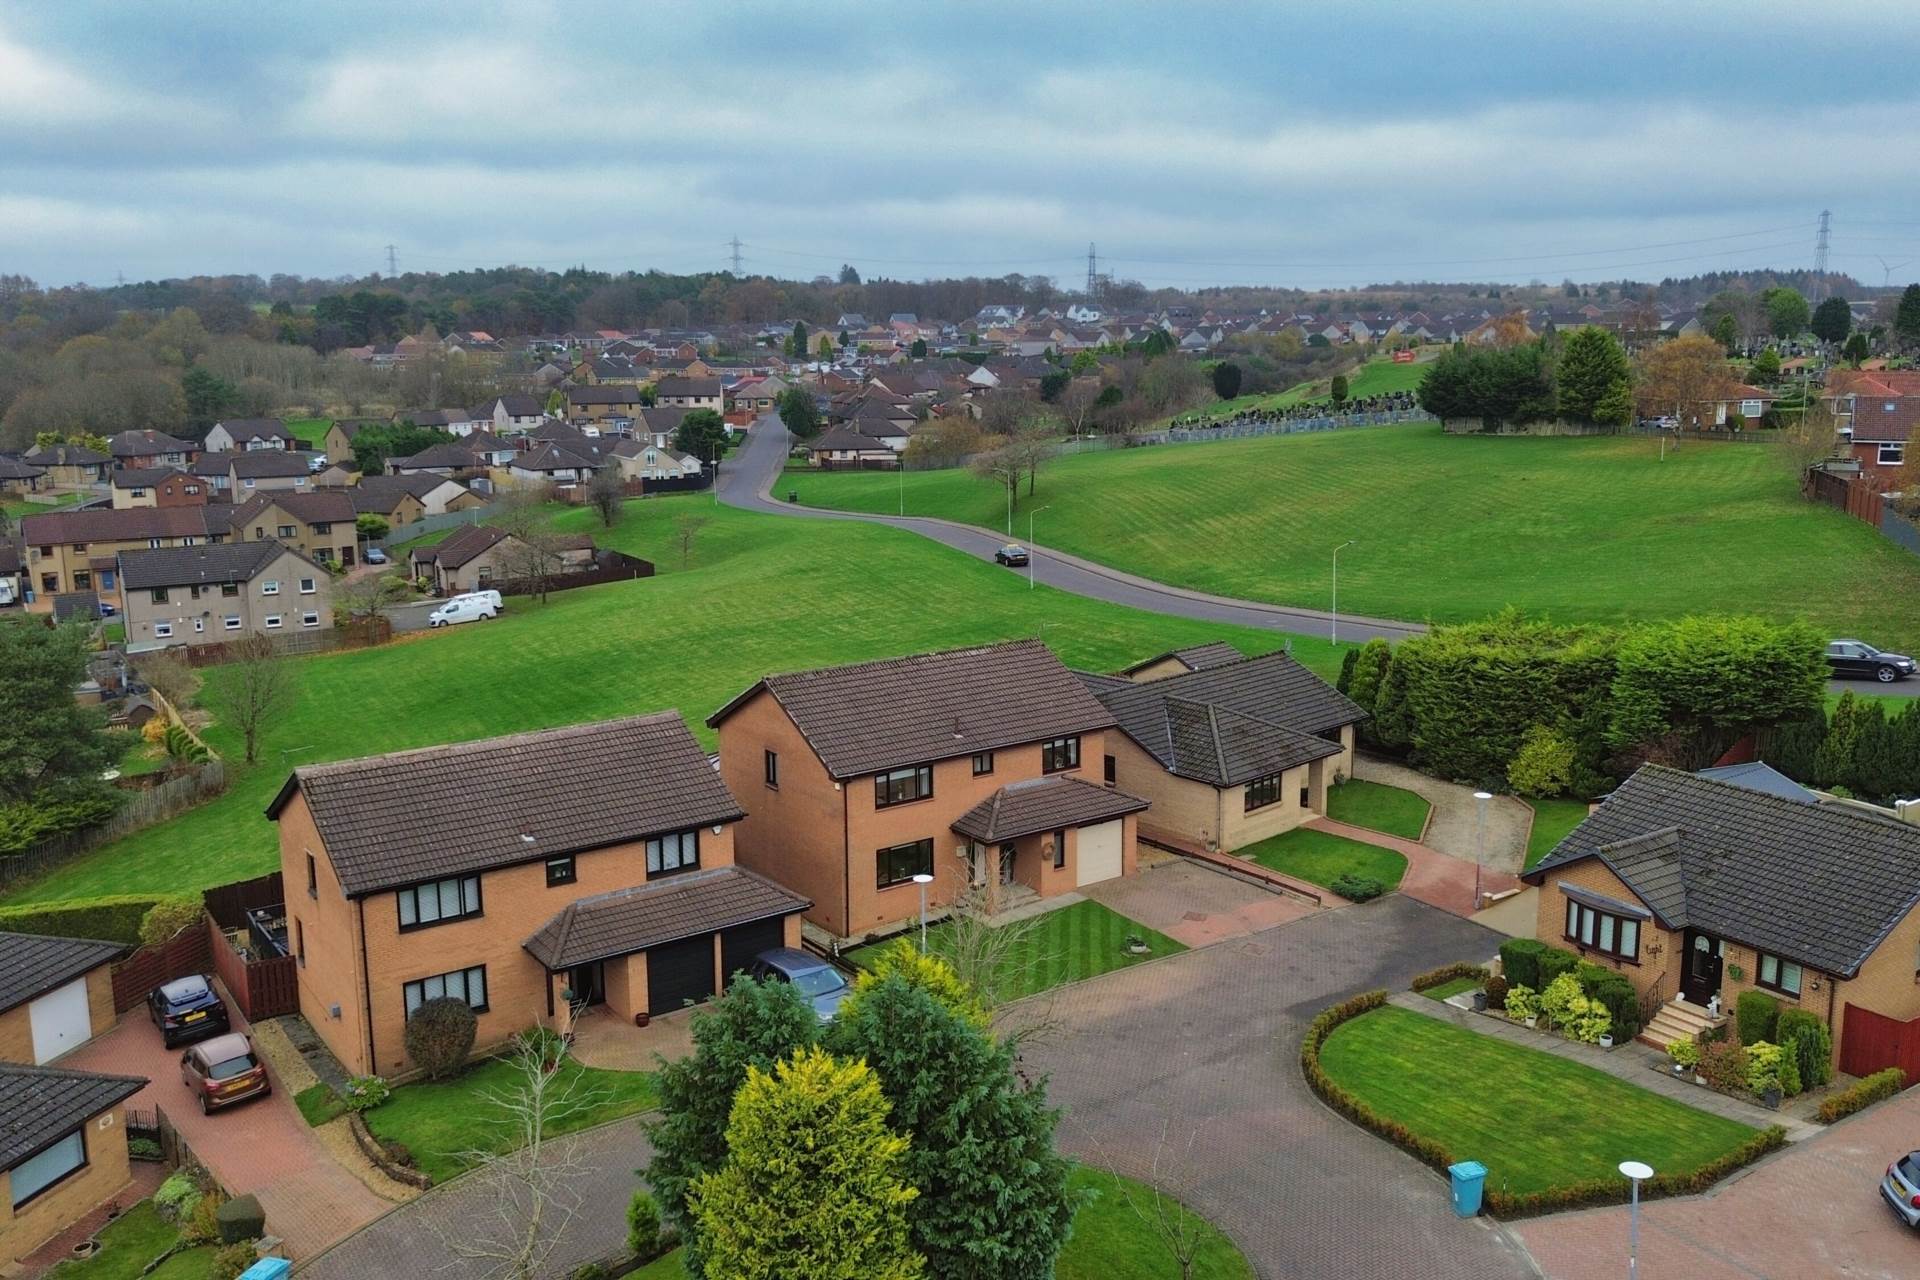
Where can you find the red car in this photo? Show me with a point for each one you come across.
(224, 1070)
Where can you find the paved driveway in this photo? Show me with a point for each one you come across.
(263, 1146)
(1207, 1043)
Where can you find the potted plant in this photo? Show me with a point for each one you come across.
(1606, 1039)
(1136, 945)
(1685, 1054)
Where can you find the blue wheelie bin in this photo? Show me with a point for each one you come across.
(1469, 1180)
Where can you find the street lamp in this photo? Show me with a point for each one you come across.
(1480, 799)
(1030, 515)
(1336, 588)
(1636, 1173)
(923, 880)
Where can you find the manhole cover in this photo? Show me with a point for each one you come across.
(1195, 916)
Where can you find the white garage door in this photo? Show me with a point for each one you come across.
(60, 1021)
(1100, 852)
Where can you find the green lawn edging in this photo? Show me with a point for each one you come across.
(1447, 974)
(1498, 1203)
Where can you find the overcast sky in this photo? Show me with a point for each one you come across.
(1332, 143)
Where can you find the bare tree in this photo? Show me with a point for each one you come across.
(1078, 402)
(257, 687)
(1033, 443)
(534, 555)
(366, 595)
(606, 493)
(686, 530)
(1180, 1230)
(170, 676)
(1005, 466)
(995, 958)
(532, 1173)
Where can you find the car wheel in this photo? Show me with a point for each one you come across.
(206, 1106)
(1885, 675)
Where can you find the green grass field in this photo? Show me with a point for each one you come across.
(1535, 1120)
(1446, 528)
(760, 594)
(308, 431)
(17, 507)
(1074, 942)
(1112, 1239)
(1552, 819)
(1319, 857)
(1378, 807)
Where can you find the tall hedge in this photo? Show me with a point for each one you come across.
(1614, 990)
(1368, 672)
(1756, 1014)
(1811, 1044)
(1555, 961)
(112, 919)
(1700, 684)
(1520, 962)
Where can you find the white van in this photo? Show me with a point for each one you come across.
(485, 597)
(464, 609)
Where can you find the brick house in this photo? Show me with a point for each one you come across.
(968, 765)
(70, 466)
(158, 487)
(1697, 888)
(214, 594)
(136, 450)
(71, 551)
(691, 393)
(55, 994)
(483, 556)
(1230, 750)
(319, 524)
(530, 875)
(1880, 433)
(63, 1150)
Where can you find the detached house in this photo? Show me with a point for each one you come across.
(691, 393)
(978, 767)
(145, 449)
(1698, 889)
(1230, 750)
(249, 435)
(533, 876)
(63, 1150)
(70, 466)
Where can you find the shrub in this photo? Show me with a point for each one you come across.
(1724, 1064)
(439, 1036)
(1587, 1020)
(177, 1196)
(153, 731)
(1347, 662)
(112, 919)
(1870, 1089)
(1555, 961)
(167, 919)
(241, 1218)
(1496, 988)
(202, 1226)
(1763, 1067)
(364, 1093)
(1789, 1073)
(143, 1149)
(1357, 888)
(643, 1226)
(1520, 961)
(1614, 991)
(230, 1261)
(1522, 1003)
(1447, 973)
(1543, 766)
(1684, 1052)
(1756, 1014)
(545, 1041)
(1557, 1000)
(1812, 1045)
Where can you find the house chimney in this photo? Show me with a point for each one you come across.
(1907, 811)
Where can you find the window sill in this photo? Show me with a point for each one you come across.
(900, 804)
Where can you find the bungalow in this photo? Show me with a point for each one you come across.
(70, 466)
(843, 449)
(557, 464)
(965, 766)
(404, 499)
(758, 396)
(211, 594)
(645, 460)
(1751, 403)
(55, 994)
(1700, 889)
(63, 1151)
(247, 435)
(1230, 750)
(537, 877)
(19, 477)
(141, 449)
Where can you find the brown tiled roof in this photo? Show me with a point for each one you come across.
(33, 964)
(318, 506)
(202, 565)
(1043, 804)
(1197, 657)
(41, 1105)
(460, 546)
(632, 919)
(930, 706)
(420, 815)
(104, 524)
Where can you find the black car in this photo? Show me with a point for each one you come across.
(1857, 660)
(187, 1009)
(1013, 555)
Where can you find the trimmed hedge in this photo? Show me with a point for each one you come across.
(1615, 991)
(1503, 1204)
(113, 919)
(1520, 961)
(1756, 1014)
(1877, 1087)
(1811, 1043)
(1447, 973)
(1555, 961)
(1357, 888)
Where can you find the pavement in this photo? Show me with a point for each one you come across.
(746, 479)
(1194, 904)
(262, 1146)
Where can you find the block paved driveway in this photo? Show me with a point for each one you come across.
(1207, 1043)
(262, 1146)
(1811, 1210)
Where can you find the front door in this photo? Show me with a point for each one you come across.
(588, 982)
(1006, 864)
(1700, 980)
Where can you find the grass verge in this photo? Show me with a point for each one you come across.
(1320, 857)
(1378, 807)
(318, 1104)
(1552, 820)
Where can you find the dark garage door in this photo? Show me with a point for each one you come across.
(738, 946)
(678, 972)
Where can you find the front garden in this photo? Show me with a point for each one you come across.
(1378, 807)
(187, 1231)
(1348, 867)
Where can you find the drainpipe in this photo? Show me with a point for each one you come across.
(366, 987)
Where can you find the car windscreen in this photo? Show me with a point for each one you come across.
(819, 982)
(232, 1067)
(1910, 1168)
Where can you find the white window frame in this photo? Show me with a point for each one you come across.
(271, 587)
(1897, 448)
(306, 587)
(231, 622)
(199, 624)
(309, 619)
(162, 630)
(274, 622)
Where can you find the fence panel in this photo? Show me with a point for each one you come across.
(451, 520)
(1871, 1042)
(148, 967)
(363, 633)
(139, 809)
(229, 903)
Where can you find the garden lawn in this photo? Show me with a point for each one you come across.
(21, 507)
(1552, 819)
(308, 431)
(319, 1103)
(1535, 1120)
(1320, 857)
(1378, 807)
(760, 594)
(1111, 1240)
(127, 1245)
(1454, 988)
(1448, 528)
(439, 1122)
(1065, 945)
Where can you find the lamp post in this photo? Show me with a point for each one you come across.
(1636, 1173)
(1480, 799)
(1336, 589)
(923, 880)
(1030, 515)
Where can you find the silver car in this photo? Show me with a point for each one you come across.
(1901, 1187)
(823, 985)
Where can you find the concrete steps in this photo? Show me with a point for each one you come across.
(1678, 1020)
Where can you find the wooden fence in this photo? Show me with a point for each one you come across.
(608, 566)
(361, 633)
(148, 967)
(1855, 495)
(1871, 1042)
(139, 809)
(263, 986)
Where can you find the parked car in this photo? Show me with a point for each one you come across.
(223, 1071)
(463, 609)
(1013, 555)
(823, 985)
(375, 555)
(1901, 1188)
(1857, 660)
(187, 1009)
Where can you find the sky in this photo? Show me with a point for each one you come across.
(1336, 143)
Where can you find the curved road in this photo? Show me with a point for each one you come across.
(747, 479)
